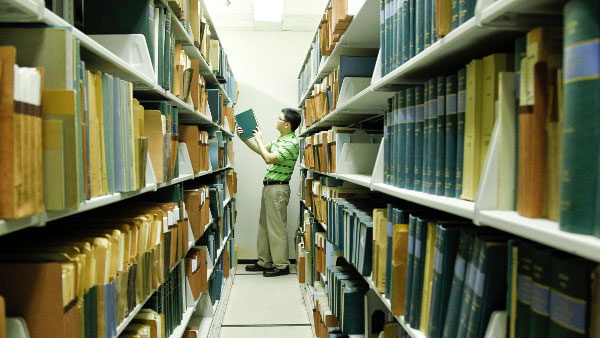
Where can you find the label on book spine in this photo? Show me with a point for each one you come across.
(581, 61)
(568, 311)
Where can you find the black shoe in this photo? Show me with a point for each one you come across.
(276, 272)
(255, 268)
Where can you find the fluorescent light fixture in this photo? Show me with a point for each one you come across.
(268, 10)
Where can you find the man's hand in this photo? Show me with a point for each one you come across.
(257, 134)
(239, 131)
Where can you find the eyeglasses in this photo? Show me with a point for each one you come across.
(282, 120)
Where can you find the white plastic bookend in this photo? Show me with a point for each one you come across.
(352, 86)
(208, 115)
(22, 11)
(374, 308)
(377, 176)
(487, 193)
(189, 297)
(497, 325)
(150, 177)
(226, 125)
(185, 164)
(479, 7)
(16, 327)
(132, 48)
(357, 158)
(377, 71)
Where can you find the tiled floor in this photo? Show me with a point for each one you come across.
(265, 307)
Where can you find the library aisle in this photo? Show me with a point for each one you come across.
(265, 307)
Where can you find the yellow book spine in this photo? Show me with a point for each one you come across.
(428, 276)
(471, 162)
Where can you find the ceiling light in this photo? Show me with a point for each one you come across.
(268, 10)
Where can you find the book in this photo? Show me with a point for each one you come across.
(419, 26)
(451, 136)
(469, 288)
(461, 98)
(400, 145)
(409, 141)
(506, 145)
(443, 9)
(247, 121)
(425, 148)
(418, 143)
(541, 273)
(428, 276)
(524, 289)
(432, 136)
(440, 131)
(472, 144)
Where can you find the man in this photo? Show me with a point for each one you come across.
(280, 155)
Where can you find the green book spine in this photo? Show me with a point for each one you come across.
(539, 318)
(524, 289)
(398, 35)
(409, 152)
(424, 185)
(446, 247)
(386, 144)
(454, 14)
(390, 45)
(393, 136)
(431, 139)
(463, 8)
(433, 35)
(569, 296)
(451, 129)
(161, 49)
(420, 26)
(412, 233)
(167, 48)
(468, 289)
(418, 270)
(382, 38)
(395, 27)
(426, 23)
(172, 63)
(389, 32)
(461, 100)
(579, 177)
(401, 139)
(412, 44)
(463, 255)
(405, 31)
(440, 130)
(418, 146)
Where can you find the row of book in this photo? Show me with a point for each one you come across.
(310, 68)
(333, 24)
(407, 27)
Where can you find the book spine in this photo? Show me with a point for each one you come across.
(412, 232)
(440, 148)
(524, 289)
(427, 23)
(463, 8)
(398, 34)
(405, 31)
(412, 28)
(463, 254)
(579, 176)
(454, 14)
(409, 151)
(387, 143)
(460, 128)
(431, 156)
(418, 269)
(392, 24)
(539, 318)
(435, 313)
(451, 143)
(420, 26)
(468, 289)
(394, 136)
(382, 38)
(478, 291)
(389, 250)
(433, 34)
(401, 139)
(424, 183)
(418, 144)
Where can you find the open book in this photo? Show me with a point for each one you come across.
(246, 121)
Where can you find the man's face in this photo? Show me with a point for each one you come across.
(281, 122)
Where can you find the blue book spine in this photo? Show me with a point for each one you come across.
(409, 152)
(431, 140)
(425, 137)
(405, 31)
(401, 140)
(418, 144)
(413, 25)
(440, 148)
(450, 169)
(461, 101)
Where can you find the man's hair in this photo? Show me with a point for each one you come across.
(292, 116)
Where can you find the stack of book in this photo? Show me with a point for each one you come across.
(346, 296)
(333, 24)
(167, 302)
(323, 99)
(197, 203)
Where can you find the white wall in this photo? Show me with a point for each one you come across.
(266, 66)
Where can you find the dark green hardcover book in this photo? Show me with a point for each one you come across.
(247, 121)
(382, 38)
(524, 288)
(398, 34)
(387, 143)
(463, 9)
(579, 179)
(418, 146)
(424, 185)
(167, 50)
(405, 31)
(161, 50)
(412, 233)
(468, 289)
(454, 14)
(420, 26)
(451, 129)
(569, 296)
(412, 44)
(461, 101)
(418, 270)
(393, 22)
(409, 152)
(172, 63)
(433, 35)
(471, 12)
(427, 23)
(446, 246)
(440, 137)
(539, 317)
(401, 139)
(431, 138)
(388, 33)
(393, 133)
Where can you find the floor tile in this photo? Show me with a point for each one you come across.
(266, 332)
(255, 299)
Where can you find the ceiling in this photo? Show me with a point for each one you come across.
(298, 15)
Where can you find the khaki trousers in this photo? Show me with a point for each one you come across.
(272, 242)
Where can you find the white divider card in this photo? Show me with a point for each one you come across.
(497, 325)
(352, 86)
(176, 215)
(377, 71)
(357, 158)
(487, 193)
(194, 264)
(132, 49)
(185, 164)
(188, 292)
(377, 175)
(150, 177)
(165, 224)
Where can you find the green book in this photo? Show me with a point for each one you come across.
(398, 35)
(446, 247)
(579, 179)
(539, 317)
(440, 137)
(469, 289)
(463, 9)
(490, 286)
(409, 141)
(382, 38)
(161, 49)
(394, 119)
(569, 296)
(167, 51)
(433, 35)
(524, 288)
(400, 144)
(247, 121)
(395, 21)
(412, 44)
(388, 33)
(451, 143)
(461, 101)
(353, 305)
(386, 144)
(431, 138)
(427, 23)
(418, 143)
(406, 36)
(418, 271)
(420, 26)
(391, 221)
(412, 233)
(424, 178)
(454, 14)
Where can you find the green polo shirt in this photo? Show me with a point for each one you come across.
(286, 149)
